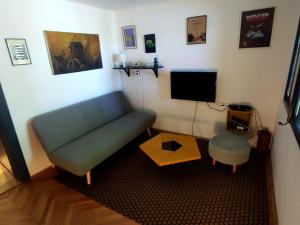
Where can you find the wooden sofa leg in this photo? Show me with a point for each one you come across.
(149, 132)
(88, 177)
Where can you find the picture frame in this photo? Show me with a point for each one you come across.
(71, 52)
(18, 51)
(129, 37)
(196, 30)
(256, 28)
(150, 43)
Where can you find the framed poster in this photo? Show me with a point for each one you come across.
(129, 37)
(256, 28)
(196, 30)
(73, 52)
(18, 51)
(150, 45)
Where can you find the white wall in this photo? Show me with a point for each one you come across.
(244, 75)
(285, 150)
(286, 168)
(32, 89)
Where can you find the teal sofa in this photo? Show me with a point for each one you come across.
(78, 137)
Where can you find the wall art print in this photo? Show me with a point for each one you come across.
(196, 30)
(73, 52)
(18, 51)
(150, 44)
(256, 28)
(129, 37)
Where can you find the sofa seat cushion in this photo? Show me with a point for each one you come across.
(86, 152)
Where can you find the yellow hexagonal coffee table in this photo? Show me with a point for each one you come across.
(188, 150)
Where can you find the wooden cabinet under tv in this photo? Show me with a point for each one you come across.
(238, 117)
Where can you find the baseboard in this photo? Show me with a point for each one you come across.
(272, 210)
(167, 131)
(45, 174)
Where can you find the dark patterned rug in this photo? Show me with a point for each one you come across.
(185, 194)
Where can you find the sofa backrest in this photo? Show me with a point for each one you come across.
(59, 127)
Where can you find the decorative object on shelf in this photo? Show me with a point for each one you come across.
(116, 60)
(18, 51)
(256, 28)
(196, 30)
(129, 37)
(73, 52)
(155, 62)
(122, 57)
(141, 63)
(137, 63)
(150, 44)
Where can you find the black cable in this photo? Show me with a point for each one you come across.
(143, 92)
(288, 119)
(255, 129)
(283, 124)
(259, 117)
(219, 110)
(223, 104)
(194, 118)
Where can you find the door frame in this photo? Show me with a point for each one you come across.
(11, 143)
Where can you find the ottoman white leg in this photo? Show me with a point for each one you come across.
(233, 168)
(214, 162)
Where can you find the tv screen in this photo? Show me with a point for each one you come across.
(194, 85)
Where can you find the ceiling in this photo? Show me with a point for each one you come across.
(118, 4)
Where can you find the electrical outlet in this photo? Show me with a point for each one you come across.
(138, 72)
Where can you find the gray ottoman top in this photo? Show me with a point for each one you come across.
(229, 148)
(230, 142)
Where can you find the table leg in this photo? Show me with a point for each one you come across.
(149, 132)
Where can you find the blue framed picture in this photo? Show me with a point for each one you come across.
(129, 37)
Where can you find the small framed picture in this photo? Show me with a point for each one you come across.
(18, 51)
(129, 37)
(256, 28)
(150, 46)
(196, 30)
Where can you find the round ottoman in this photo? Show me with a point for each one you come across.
(229, 148)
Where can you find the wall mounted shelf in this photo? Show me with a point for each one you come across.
(128, 68)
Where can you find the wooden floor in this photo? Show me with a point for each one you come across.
(7, 180)
(46, 201)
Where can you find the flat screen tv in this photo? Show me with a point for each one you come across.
(194, 85)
